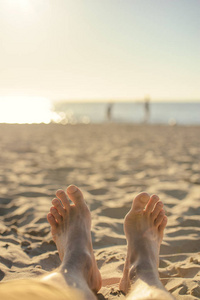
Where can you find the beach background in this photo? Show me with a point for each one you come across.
(159, 112)
(110, 163)
(104, 95)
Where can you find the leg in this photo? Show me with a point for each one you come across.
(144, 226)
(70, 228)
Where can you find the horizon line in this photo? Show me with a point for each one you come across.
(113, 100)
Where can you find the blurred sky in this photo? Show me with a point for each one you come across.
(100, 49)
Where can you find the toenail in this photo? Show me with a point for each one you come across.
(60, 192)
(55, 201)
(160, 203)
(72, 189)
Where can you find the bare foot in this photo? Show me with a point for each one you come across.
(71, 231)
(143, 226)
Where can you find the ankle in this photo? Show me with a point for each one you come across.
(146, 264)
(73, 281)
(146, 269)
(77, 264)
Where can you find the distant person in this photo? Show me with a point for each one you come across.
(78, 277)
(109, 112)
(146, 110)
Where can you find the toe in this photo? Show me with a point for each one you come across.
(75, 195)
(63, 198)
(159, 218)
(56, 214)
(59, 207)
(163, 224)
(140, 202)
(158, 207)
(51, 220)
(150, 205)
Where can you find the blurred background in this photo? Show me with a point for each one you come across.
(103, 62)
(94, 61)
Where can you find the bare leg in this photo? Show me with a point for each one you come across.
(70, 228)
(144, 226)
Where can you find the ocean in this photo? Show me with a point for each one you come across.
(183, 113)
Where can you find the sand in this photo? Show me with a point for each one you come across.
(111, 163)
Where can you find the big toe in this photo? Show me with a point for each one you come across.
(75, 195)
(140, 202)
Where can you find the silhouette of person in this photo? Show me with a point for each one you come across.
(146, 110)
(109, 112)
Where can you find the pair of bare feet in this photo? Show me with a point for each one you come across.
(71, 230)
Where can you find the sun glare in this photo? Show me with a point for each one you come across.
(24, 5)
(25, 110)
(19, 12)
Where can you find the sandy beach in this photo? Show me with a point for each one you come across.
(110, 163)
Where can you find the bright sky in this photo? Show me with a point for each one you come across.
(100, 49)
